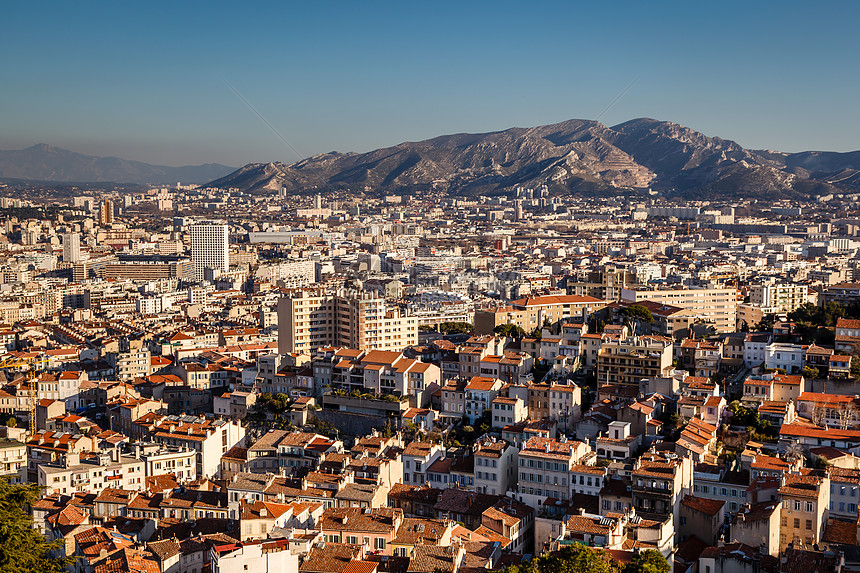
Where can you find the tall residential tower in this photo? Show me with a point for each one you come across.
(209, 247)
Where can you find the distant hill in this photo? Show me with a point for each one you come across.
(47, 163)
(578, 156)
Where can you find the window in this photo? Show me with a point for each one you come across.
(810, 507)
(809, 525)
(797, 523)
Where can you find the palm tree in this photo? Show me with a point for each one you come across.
(794, 451)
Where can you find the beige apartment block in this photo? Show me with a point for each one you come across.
(717, 306)
(312, 319)
(629, 360)
(805, 500)
(533, 312)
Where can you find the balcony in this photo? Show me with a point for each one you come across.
(366, 403)
(649, 490)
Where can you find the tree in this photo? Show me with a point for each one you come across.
(819, 414)
(847, 414)
(456, 328)
(511, 330)
(794, 451)
(596, 324)
(386, 430)
(570, 559)
(743, 416)
(810, 372)
(13, 421)
(22, 548)
(814, 323)
(648, 561)
(766, 323)
(636, 314)
(854, 369)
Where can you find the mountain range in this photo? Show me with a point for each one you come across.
(575, 156)
(578, 156)
(47, 163)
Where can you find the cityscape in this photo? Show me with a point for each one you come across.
(608, 345)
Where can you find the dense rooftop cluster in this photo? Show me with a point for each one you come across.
(206, 380)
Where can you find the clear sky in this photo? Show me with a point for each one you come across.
(146, 80)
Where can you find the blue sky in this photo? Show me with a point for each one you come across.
(145, 81)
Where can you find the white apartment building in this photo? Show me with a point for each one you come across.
(564, 405)
(755, 349)
(417, 457)
(784, 297)
(258, 555)
(545, 467)
(507, 411)
(210, 439)
(789, 357)
(480, 393)
(68, 387)
(108, 469)
(71, 248)
(209, 247)
(495, 467)
(13, 460)
(586, 479)
(844, 493)
(159, 459)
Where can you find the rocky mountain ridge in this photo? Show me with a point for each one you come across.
(574, 156)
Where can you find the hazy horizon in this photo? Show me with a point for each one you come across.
(151, 84)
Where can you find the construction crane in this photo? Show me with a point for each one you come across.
(30, 363)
